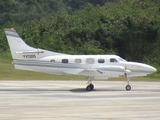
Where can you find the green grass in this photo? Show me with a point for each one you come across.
(8, 72)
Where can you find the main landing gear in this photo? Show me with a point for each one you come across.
(128, 87)
(90, 86)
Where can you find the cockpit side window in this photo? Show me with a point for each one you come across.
(101, 60)
(113, 60)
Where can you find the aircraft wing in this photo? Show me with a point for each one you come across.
(111, 68)
(75, 72)
(85, 72)
(101, 71)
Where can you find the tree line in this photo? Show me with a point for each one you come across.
(128, 28)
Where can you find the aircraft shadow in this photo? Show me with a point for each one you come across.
(32, 89)
(77, 90)
(94, 90)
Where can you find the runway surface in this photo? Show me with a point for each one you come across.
(68, 100)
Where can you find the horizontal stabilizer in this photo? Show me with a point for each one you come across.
(23, 52)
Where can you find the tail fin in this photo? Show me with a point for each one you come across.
(20, 50)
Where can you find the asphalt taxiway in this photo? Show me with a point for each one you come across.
(68, 100)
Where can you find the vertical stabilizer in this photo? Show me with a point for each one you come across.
(20, 50)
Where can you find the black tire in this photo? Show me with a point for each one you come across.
(89, 88)
(128, 87)
(92, 86)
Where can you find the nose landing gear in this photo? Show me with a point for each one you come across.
(128, 87)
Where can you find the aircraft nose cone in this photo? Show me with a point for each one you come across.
(151, 69)
(147, 68)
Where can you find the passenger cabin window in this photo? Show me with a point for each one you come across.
(100, 60)
(113, 60)
(64, 60)
(90, 61)
(52, 60)
(78, 60)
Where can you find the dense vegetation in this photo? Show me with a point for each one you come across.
(128, 28)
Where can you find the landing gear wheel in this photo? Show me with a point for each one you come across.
(90, 87)
(128, 87)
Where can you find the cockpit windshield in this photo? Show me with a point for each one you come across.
(113, 60)
(121, 59)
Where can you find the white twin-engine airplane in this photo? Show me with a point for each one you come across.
(91, 66)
